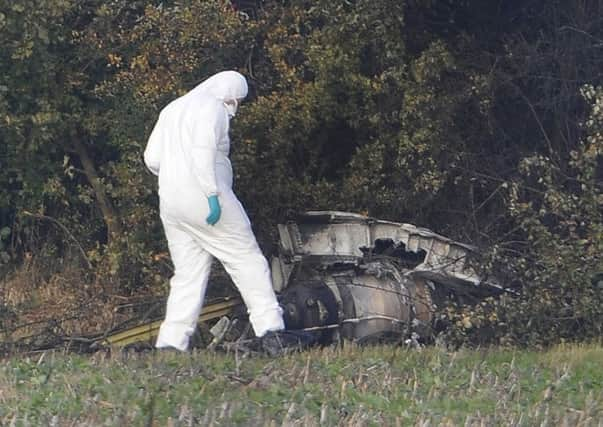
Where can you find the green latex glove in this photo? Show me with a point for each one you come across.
(214, 210)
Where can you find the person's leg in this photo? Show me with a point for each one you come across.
(250, 273)
(187, 288)
(232, 242)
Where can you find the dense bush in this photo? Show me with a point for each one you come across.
(458, 116)
(555, 258)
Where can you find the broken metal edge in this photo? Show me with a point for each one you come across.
(338, 217)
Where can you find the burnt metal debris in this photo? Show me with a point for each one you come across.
(348, 276)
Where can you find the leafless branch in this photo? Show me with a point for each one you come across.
(65, 229)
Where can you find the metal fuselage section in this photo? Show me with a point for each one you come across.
(353, 277)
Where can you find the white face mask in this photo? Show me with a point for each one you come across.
(231, 107)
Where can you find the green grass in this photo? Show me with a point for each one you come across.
(333, 386)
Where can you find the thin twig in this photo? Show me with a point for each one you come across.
(65, 229)
(536, 117)
(578, 30)
(497, 179)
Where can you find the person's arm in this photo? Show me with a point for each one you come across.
(204, 148)
(206, 132)
(153, 151)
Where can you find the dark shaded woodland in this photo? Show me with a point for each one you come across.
(482, 120)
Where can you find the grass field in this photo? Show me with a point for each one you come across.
(347, 386)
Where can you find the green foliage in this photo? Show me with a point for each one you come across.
(350, 119)
(460, 116)
(82, 85)
(556, 256)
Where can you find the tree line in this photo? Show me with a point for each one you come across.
(480, 120)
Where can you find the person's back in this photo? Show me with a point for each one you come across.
(177, 133)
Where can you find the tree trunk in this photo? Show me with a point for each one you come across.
(109, 214)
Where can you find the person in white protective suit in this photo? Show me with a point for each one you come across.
(188, 150)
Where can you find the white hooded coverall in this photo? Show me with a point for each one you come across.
(188, 150)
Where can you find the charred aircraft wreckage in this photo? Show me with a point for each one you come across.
(343, 276)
